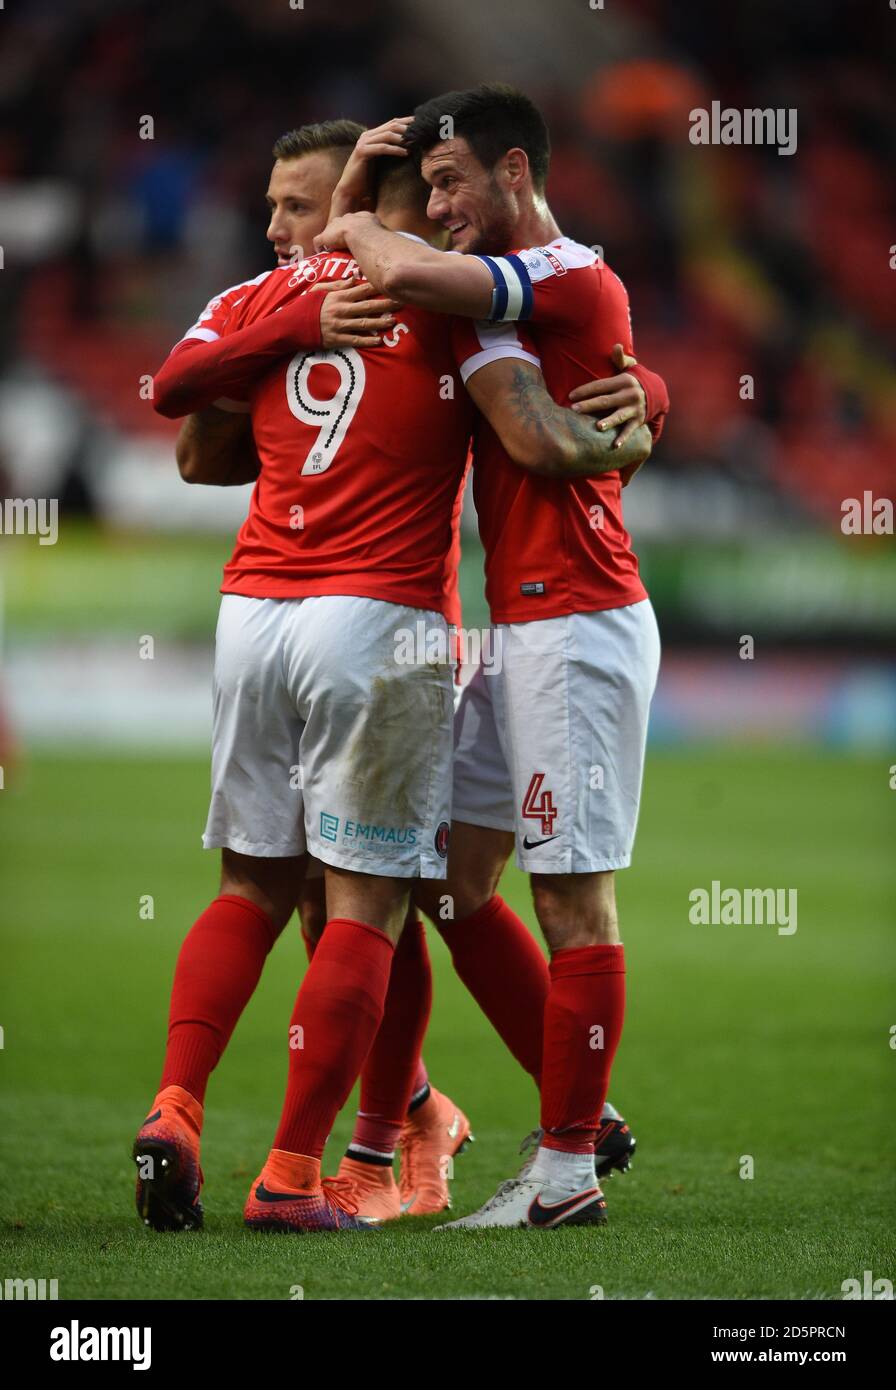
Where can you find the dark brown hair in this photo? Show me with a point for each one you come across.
(492, 119)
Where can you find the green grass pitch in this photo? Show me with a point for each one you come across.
(738, 1042)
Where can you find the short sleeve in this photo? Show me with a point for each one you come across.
(225, 313)
(477, 343)
(557, 285)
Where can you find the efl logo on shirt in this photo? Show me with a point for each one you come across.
(559, 267)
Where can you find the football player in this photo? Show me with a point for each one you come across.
(550, 750)
(215, 446)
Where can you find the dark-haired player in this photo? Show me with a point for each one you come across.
(549, 752)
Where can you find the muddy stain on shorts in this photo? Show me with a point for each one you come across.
(394, 739)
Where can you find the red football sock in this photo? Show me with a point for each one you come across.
(389, 1077)
(421, 1081)
(216, 973)
(587, 990)
(501, 965)
(338, 1010)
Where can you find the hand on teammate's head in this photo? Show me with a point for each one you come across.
(354, 187)
(332, 238)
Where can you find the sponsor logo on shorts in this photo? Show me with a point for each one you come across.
(380, 834)
(376, 836)
(441, 839)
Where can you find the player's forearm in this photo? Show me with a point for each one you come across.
(216, 448)
(416, 274)
(385, 258)
(558, 443)
(580, 451)
(196, 374)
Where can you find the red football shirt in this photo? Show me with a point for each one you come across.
(219, 318)
(362, 455)
(551, 546)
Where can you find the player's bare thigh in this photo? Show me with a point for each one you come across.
(311, 901)
(576, 909)
(476, 860)
(375, 899)
(268, 883)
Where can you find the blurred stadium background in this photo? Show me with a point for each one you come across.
(740, 263)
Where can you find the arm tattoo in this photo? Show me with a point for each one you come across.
(538, 413)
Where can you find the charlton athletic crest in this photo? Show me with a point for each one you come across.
(441, 839)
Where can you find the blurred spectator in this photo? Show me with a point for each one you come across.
(741, 264)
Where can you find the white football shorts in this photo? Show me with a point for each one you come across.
(327, 738)
(550, 744)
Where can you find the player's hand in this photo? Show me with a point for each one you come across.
(622, 395)
(628, 472)
(332, 238)
(354, 185)
(353, 315)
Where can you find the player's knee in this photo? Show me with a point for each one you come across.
(311, 902)
(476, 860)
(470, 897)
(576, 909)
(265, 882)
(444, 901)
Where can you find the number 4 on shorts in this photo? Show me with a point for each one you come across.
(539, 805)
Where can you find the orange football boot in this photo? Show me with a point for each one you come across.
(166, 1152)
(431, 1136)
(288, 1196)
(369, 1187)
